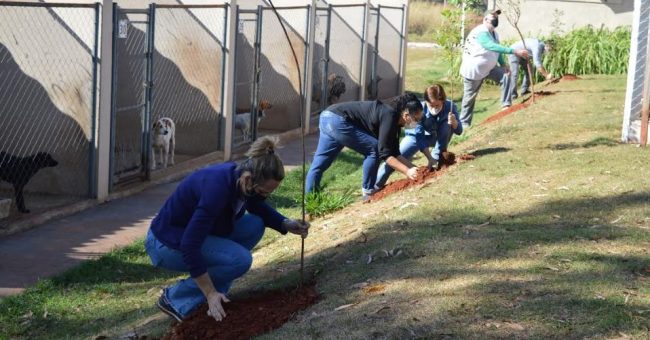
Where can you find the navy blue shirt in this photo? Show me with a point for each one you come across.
(205, 203)
(375, 118)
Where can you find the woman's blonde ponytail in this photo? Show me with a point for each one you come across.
(262, 161)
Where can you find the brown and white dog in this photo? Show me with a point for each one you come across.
(243, 120)
(163, 141)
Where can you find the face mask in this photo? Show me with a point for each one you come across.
(494, 22)
(253, 195)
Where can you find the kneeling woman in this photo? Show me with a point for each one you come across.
(203, 229)
(370, 128)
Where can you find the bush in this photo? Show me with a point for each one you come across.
(590, 51)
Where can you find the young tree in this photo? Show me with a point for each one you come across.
(513, 13)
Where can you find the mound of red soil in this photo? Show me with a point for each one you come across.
(570, 77)
(448, 159)
(515, 107)
(248, 317)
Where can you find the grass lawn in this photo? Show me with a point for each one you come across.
(545, 235)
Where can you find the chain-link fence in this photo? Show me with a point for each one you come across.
(386, 38)
(246, 75)
(267, 99)
(338, 49)
(188, 78)
(131, 86)
(279, 82)
(168, 63)
(48, 77)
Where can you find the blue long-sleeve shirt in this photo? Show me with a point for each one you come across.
(207, 202)
(431, 127)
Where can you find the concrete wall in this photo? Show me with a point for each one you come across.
(537, 16)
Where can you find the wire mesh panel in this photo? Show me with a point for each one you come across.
(346, 42)
(372, 57)
(47, 103)
(130, 89)
(320, 58)
(389, 51)
(246, 76)
(279, 78)
(187, 76)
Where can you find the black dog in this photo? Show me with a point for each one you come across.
(19, 170)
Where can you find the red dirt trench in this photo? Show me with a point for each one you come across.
(248, 317)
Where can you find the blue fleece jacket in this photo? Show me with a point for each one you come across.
(430, 126)
(207, 202)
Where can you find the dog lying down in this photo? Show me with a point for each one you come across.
(19, 170)
(163, 141)
(243, 120)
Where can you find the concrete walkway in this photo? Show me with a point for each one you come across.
(55, 246)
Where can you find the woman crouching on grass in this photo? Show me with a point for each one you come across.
(209, 226)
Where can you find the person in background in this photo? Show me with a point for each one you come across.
(209, 226)
(536, 49)
(439, 123)
(371, 128)
(481, 53)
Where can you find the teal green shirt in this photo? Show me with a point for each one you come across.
(488, 42)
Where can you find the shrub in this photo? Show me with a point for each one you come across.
(590, 51)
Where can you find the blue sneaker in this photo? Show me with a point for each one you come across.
(164, 305)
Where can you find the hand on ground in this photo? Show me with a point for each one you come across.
(215, 309)
(412, 173)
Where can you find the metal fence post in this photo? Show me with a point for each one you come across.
(92, 143)
(309, 64)
(146, 119)
(375, 58)
(111, 95)
(255, 86)
(224, 52)
(326, 60)
(402, 50)
(229, 79)
(363, 79)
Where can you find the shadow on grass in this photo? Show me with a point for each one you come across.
(598, 141)
(555, 295)
(489, 151)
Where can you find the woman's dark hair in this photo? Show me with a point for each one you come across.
(263, 163)
(406, 101)
(434, 92)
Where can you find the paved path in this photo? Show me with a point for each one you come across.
(55, 246)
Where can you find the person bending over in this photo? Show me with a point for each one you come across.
(371, 128)
(439, 123)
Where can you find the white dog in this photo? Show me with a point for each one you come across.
(163, 140)
(243, 120)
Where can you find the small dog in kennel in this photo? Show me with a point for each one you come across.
(163, 141)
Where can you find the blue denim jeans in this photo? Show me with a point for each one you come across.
(515, 64)
(471, 88)
(335, 133)
(227, 258)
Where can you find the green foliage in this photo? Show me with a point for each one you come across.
(590, 51)
(321, 203)
(447, 35)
